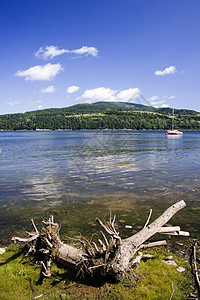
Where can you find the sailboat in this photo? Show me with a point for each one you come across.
(172, 131)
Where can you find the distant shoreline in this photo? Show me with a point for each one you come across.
(102, 116)
(104, 129)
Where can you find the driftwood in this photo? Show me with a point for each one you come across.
(195, 269)
(111, 257)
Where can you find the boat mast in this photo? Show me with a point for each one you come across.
(172, 118)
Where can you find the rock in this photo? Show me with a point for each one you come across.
(170, 262)
(180, 269)
(63, 296)
(128, 226)
(2, 250)
(148, 255)
(170, 257)
(38, 297)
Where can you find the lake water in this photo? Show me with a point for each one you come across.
(51, 170)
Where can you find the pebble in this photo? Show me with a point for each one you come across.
(148, 255)
(2, 250)
(170, 262)
(38, 297)
(128, 226)
(180, 269)
(170, 257)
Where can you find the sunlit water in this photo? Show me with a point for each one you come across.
(58, 167)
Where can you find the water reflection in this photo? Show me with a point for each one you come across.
(173, 137)
(56, 168)
(81, 159)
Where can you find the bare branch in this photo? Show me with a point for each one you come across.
(144, 234)
(153, 244)
(31, 249)
(49, 225)
(102, 245)
(105, 239)
(195, 266)
(96, 248)
(30, 233)
(96, 267)
(34, 226)
(111, 232)
(137, 259)
(24, 240)
(44, 251)
(46, 268)
(148, 219)
(173, 290)
(52, 221)
(182, 233)
(112, 224)
(169, 229)
(104, 227)
(48, 243)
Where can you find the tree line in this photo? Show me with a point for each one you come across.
(54, 119)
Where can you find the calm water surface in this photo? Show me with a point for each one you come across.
(55, 168)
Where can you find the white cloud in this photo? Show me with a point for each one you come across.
(106, 94)
(13, 103)
(86, 50)
(153, 98)
(50, 89)
(72, 89)
(157, 102)
(98, 94)
(128, 95)
(40, 106)
(46, 72)
(50, 52)
(168, 70)
(36, 101)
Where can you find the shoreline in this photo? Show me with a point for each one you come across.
(105, 129)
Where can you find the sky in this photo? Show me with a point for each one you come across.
(65, 52)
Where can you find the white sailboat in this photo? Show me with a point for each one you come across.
(172, 131)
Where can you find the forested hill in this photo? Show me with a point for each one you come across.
(102, 115)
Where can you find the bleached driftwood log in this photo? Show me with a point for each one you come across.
(195, 269)
(112, 257)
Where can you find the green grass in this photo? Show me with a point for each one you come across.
(159, 280)
(156, 280)
(21, 279)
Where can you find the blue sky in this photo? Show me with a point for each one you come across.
(65, 52)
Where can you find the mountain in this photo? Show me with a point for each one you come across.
(106, 107)
(101, 115)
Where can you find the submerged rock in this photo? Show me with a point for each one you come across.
(128, 226)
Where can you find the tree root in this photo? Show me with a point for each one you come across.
(111, 257)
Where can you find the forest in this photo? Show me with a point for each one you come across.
(102, 115)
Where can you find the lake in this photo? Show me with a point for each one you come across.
(77, 175)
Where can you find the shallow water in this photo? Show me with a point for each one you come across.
(45, 171)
